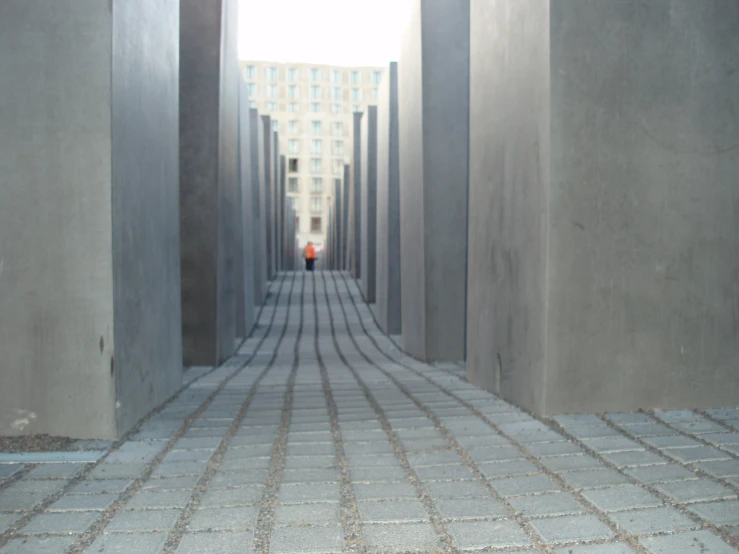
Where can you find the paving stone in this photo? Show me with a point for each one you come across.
(462, 508)
(615, 548)
(320, 513)
(102, 485)
(426, 445)
(6, 470)
(593, 431)
(289, 540)
(6, 520)
(37, 545)
(648, 429)
(159, 500)
(507, 469)
(187, 456)
(367, 448)
(570, 528)
(311, 449)
(172, 483)
(175, 469)
(312, 492)
(671, 441)
(401, 537)
(310, 476)
(135, 452)
(418, 459)
(143, 520)
(150, 543)
(199, 443)
(223, 519)
(656, 474)
(652, 520)
(718, 513)
(55, 471)
(378, 491)
(326, 462)
(35, 486)
(484, 442)
(559, 464)
(694, 542)
(696, 490)
(382, 473)
(444, 473)
(634, 459)
(554, 448)
(698, 427)
(724, 468)
(675, 416)
(392, 511)
(555, 504)
(613, 444)
(60, 523)
(242, 496)
(457, 489)
(626, 418)
(11, 501)
(698, 454)
(721, 438)
(117, 471)
(524, 485)
(486, 534)
(623, 497)
(82, 502)
(216, 543)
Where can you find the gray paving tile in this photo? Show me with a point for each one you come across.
(697, 454)
(35, 486)
(392, 511)
(320, 513)
(146, 520)
(224, 519)
(18, 501)
(37, 545)
(401, 537)
(159, 500)
(507, 469)
(457, 489)
(55, 471)
(524, 485)
(382, 473)
(311, 462)
(623, 497)
(225, 498)
(82, 502)
(633, 459)
(216, 543)
(615, 548)
(554, 504)
(613, 444)
(559, 464)
(671, 441)
(319, 475)
(694, 542)
(698, 427)
(311, 492)
(655, 474)
(312, 449)
(6, 470)
(462, 508)
(718, 513)
(486, 534)
(694, 491)
(377, 491)
(174, 469)
(117, 471)
(554, 448)
(495, 454)
(102, 485)
(652, 520)
(62, 522)
(570, 528)
(294, 540)
(150, 543)
(724, 468)
(6, 520)
(444, 473)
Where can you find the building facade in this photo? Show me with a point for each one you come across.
(311, 106)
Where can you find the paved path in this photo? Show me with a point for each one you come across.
(321, 437)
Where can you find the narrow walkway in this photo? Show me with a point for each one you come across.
(321, 437)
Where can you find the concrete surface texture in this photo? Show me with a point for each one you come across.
(368, 220)
(434, 91)
(357, 196)
(260, 208)
(282, 208)
(320, 436)
(276, 178)
(608, 179)
(345, 207)
(88, 247)
(337, 217)
(387, 306)
(269, 176)
(245, 217)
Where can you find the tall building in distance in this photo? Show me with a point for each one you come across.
(311, 106)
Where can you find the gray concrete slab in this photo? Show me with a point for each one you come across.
(433, 72)
(269, 178)
(245, 258)
(368, 220)
(566, 313)
(257, 166)
(356, 169)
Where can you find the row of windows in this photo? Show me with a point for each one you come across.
(315, 224)
(316, 205)
(316, 166)
(315, 107)
(316, 185)
(315, 75)
(316, 147)
(316, 127)
(315, 92)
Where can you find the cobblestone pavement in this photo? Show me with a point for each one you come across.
(320, 436)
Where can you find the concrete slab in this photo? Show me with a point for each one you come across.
(357, 196)
(368, 221)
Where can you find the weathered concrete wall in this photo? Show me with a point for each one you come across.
(276, 177)
(260, 208)
(344, 256)
(336, 220)
(434, 125)
(282, 211)
(246, 282)
(368, 220)
(608, 179)
(357, 196)
(269, 176)
(388, 301)
(89, 269)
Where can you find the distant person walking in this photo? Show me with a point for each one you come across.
(310, 257)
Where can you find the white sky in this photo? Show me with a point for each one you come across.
(332, 32)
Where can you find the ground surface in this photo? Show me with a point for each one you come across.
(321, 437)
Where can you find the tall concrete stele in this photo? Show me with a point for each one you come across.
(433, 76)
(356, 246)
(368, 220)
(603, 204)
(89, 231)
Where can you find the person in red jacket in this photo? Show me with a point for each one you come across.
(310, 257)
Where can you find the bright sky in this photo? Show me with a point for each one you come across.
(332, 32)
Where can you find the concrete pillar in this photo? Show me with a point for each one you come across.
(282, 211)
(89, 228)
(607, 177)
(269, 177)
(336, 221)
(433, 77)
(209, 179)
(256, 145)
(368, 220)
(357, 196)
(276, 178)
(387, 308)
(245, 217)
(344, 221)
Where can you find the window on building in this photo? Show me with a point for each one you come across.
(293, 127)
(316, 205)
(338, 167)
(338, 148)
(356, 94)
(293, 146)
(315, 165)
(375, 94)
(292, 107)
(336, 94)
(292, 185)
(271, 106)
(338, 129)
(315, 224)
(315, 74)
(316, 146)
(376, 77)
(275, 125)
(315, 127)
(272, 73)
(297, 223)
(252, 104)
(355, 77)
(316, 185)
(315, 92)
(296, 204)
(292, 74)
(315, 107)
(336, 108)
(292, 165)
(336, 76)
(273, 91)
(250, 72)
(251, 89)
(356, 109)
(293, 91)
